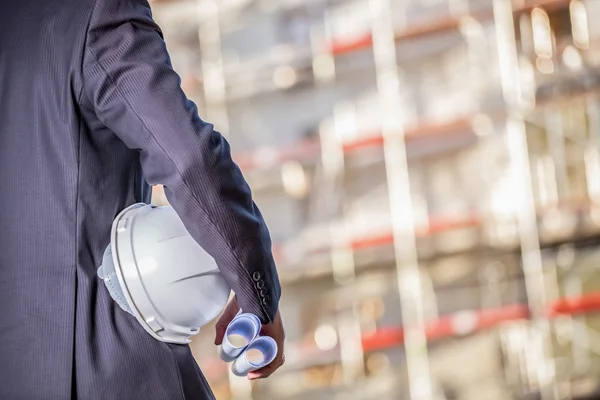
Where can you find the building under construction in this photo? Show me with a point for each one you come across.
(430, 173)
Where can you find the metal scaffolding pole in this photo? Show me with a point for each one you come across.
(390, 86)
(342, 258)
(215, 89)
(333, 175)
(521, 175)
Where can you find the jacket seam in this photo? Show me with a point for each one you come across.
(178, 367)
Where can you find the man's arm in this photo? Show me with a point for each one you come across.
(129, 80)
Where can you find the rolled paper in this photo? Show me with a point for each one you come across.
(241, 331)
(258, 354)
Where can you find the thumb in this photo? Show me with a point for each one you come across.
(220, 329)
(221, 326)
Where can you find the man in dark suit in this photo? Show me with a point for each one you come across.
(89, 102)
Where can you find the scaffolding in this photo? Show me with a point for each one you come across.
(533, 214)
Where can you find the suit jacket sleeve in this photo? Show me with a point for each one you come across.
(129, 80)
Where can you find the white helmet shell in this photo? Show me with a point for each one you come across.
(169, 283)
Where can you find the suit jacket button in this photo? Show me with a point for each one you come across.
(256, 276)
(260, 284)
(263, 292)
(265, 300)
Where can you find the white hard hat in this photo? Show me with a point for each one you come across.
(159, 274)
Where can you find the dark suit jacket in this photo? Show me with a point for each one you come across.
(91, 110)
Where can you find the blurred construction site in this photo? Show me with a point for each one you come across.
(430, 174)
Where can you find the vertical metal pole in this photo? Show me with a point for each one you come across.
(215, 89)
(556, 146)
(593, 114)
(342, 253)
(527, 218)
(580, 338)
(390, 87)
(342, 256)
(323, 62)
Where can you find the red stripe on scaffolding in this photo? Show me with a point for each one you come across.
(310, 148)
(466, 322)
(437, 224)
(435, 26)
(443, 223)
(575, 305)
(348, 46)
(436, 128)
(458, 324)
(367, 140)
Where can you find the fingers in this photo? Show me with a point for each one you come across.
(219, 333)
(275, 330)
(268, 370)
(228, 314)
(221, 327)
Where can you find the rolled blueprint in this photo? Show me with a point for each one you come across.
(259, 353)
(242, 330)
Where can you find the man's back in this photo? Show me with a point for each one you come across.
(88, 101)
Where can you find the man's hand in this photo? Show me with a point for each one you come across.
(229, 314)
(277, 332)
(274, 330)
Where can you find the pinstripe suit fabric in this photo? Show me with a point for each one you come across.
(91, 113)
